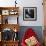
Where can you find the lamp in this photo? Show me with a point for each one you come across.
(15, 3)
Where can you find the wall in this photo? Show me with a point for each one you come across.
(37, 29)
(26, 3)
(33, 3)
(39, 22)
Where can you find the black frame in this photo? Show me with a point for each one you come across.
(27, 11)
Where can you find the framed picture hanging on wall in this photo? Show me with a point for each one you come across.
(29, 13)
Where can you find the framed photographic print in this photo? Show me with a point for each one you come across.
(29, 13)
(13, 12)
(5, 12)
(13, 20)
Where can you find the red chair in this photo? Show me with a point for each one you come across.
(29, 33)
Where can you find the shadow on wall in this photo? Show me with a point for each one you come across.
(37, 29)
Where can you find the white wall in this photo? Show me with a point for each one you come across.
(32, 3)
(26, 3)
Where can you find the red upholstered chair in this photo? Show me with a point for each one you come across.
(28, 34)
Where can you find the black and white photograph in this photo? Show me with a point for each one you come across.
(29, 13)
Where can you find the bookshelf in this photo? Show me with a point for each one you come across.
(9, 23)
